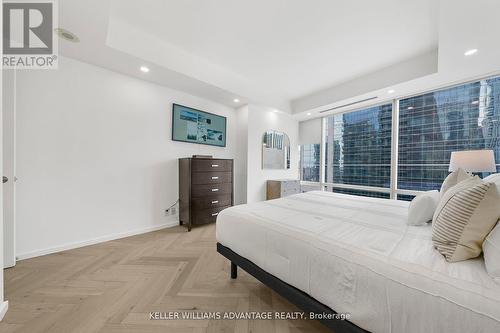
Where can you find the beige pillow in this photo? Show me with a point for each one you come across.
(491, 245)
(491, 249)
(453, 179)
(465, 215)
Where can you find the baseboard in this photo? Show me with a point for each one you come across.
(3, 309)
(93, 241)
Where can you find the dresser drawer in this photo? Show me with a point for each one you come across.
(212, 202)
(207, 215)
(200, 165)
(290, 191)
(290, 185)
(211, 177)
(210, 190)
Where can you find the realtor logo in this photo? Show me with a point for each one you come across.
(28, 34)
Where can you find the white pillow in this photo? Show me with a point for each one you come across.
(491, 249)
(422, 208)
(453, 179)
(491, 245)
(494, 178)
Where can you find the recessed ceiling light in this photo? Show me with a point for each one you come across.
(144, 69)
(391, 91)
(410, 108)
(309, 113)
(67, 35)
(275, 111)
(475, 102)
(236, 100)
(470, 52)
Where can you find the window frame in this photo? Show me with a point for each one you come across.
(393, 190)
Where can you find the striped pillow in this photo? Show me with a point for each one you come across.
(465, 215)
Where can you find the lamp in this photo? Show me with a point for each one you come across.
(473, 161)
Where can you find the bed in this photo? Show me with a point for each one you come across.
(356, 255)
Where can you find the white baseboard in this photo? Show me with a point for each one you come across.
(3, 309)
(70, 246)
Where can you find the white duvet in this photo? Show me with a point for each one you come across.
(358, 256)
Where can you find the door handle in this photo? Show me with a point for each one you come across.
(5, 179)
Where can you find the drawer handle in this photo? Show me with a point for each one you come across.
(215, 202)
(215, 190)
(215, 165)
(215, 177)
(215, 214)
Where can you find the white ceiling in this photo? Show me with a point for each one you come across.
(293, 55)
(293, 48)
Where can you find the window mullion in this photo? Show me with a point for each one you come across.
(322, 157)
(394, 148)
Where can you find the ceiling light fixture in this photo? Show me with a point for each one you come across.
(410, 108)
(475, 102)
(275, 111)
(470, 52)
(236, 100)
(144, 69)
(309, 113)
(67, 35)
(391, 91)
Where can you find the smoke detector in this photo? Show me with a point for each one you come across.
(67, 35)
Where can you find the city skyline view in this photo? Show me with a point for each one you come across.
(358, 144)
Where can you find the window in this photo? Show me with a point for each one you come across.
(433, 125)
(309, 162)
(358, 147)
(359, 144)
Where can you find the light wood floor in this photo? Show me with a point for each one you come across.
(113, 286)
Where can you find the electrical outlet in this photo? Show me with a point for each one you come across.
(171, 211)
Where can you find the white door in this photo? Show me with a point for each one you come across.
(9, 166)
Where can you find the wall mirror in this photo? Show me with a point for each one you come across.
(275, 150)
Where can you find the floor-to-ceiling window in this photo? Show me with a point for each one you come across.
(360, 145)
(309, 162)
(433, 125)
(358, 150)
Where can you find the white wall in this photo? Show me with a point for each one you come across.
(261, 119)
(95, 158)
(3, 305)
(9, 164)
(310, 131)
(241, 158)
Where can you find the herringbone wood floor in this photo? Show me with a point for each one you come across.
(113, 286)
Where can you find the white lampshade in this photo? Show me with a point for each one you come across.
(473, 161)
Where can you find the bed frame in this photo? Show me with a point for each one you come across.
(303, 301)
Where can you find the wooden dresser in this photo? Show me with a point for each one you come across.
(281, 188)
(205, 188)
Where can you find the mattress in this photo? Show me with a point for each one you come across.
(357, 256)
